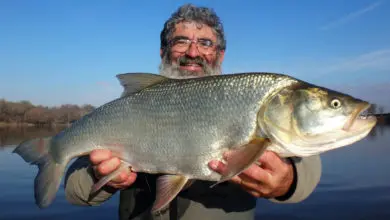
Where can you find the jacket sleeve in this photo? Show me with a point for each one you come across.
(308, 172)
(78, 182)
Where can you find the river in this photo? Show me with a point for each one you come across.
(355, 184)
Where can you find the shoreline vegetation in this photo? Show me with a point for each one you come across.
(26, 114)
(24, 124)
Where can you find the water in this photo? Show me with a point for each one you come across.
(355, 185)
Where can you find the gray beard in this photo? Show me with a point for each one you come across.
(172, 70)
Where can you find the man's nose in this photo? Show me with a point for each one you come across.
(192, 50)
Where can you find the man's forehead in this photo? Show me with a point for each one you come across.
(194, 30)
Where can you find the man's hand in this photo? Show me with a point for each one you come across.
(104, 163)
(273, 178)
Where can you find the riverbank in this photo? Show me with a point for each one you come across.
(15, 125)
(6, 124)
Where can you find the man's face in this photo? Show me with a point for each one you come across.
(192, 52)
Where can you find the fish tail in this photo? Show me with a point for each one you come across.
(47, 181)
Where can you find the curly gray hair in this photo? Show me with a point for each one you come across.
(201, 15)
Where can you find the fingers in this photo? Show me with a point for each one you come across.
(257, 173)
(124, 181)
(108, 166)
(253, 172)
(104, 164)
(273, 178)
(217, 166)
(249, 184)
(97, 156)
(270, 161)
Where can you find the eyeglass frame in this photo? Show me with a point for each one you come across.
(213, 46)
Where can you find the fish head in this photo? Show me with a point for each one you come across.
(306, 120)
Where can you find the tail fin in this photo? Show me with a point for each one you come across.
(47, 182)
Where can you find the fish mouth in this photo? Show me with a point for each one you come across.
(360, 120)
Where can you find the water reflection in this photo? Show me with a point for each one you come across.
(16, 135)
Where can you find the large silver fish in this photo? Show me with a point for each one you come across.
(176, 126)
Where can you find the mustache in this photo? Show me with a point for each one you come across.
(185, 60)
(172, 69)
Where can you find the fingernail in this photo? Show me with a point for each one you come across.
(213, 165)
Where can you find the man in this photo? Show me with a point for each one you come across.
(193, 45)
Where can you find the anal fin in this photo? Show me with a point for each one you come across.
(168, 187)
(241, 158)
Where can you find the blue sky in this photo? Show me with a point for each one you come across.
(54, 52)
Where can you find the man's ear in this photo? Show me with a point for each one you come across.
(161, 53)
(221, 56)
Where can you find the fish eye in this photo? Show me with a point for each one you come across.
(335, 103)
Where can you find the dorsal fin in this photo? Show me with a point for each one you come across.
(134, 82)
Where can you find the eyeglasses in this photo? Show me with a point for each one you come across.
(204, 46)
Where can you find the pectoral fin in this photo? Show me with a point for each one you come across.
(168, 186)
(242, 158)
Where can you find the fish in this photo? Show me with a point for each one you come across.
(174, 127)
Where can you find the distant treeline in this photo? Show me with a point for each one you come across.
(24, 112)
(383, 118)
(375, 109)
